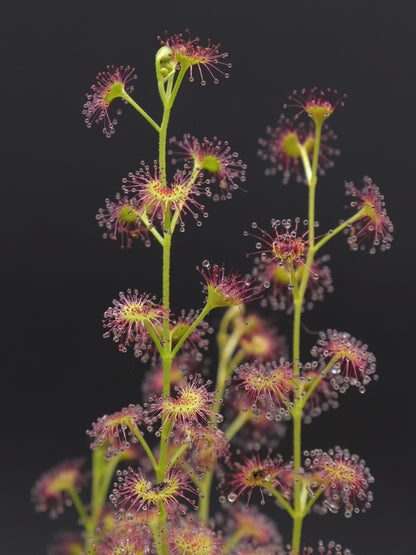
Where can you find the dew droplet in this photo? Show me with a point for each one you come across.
(335, 370)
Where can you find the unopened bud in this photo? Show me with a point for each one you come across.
(165, 61)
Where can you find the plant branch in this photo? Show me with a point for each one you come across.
(146, 447)
(79, 505)
(281, 499)
(142, 112)
(153, 231)
(317, 380)
(191, 328)
(339, 228)
(237, 424)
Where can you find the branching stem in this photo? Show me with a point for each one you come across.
(146, 447)
(142, 112)
(298, 298)
(79, 505)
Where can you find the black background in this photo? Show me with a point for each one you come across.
(58, 275)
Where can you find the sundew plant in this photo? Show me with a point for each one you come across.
(159, 467)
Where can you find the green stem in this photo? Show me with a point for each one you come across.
(164, 126)
(226, 346)
(175, 219)
(178, 453)
(281, 499)
(317, 380)
(169, 80)
(315, 158)
(237, 424)
(162, 148)
(339, 228)
(161, 87)
(306, 164)
(178, 83)
(312, 501)
(146, 447)
(167, 243)
(160, 474)
(297, 432)
(204, 502)
(297, 301)
(191, 328)
(294, 281)
(311, 232)
(235, 538)
(167, 365)
(166, 353)
(164, 441)
(98, 466)
(149, 226)
(155, 338)
(298, 297)
(226, 320)
(105, 482)
(297, 446)
(236, 360)
(297, 533)
(154, 526)
(195, 172)
(167, 345)
(142, 112)
(225, 355)
(162, 541)
(78, 504)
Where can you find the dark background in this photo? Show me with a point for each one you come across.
(58, 275)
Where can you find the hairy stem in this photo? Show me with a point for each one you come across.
(166, 353)
(144, 218)
(298, 298)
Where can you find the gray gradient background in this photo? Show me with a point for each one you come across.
(58, 275)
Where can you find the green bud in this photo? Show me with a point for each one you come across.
(165, 62)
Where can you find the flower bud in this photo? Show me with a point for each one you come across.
(165, 62)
